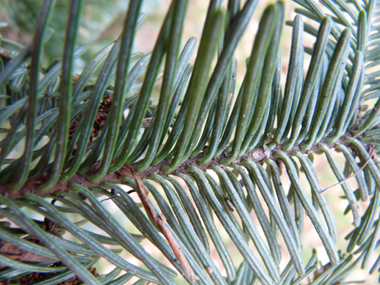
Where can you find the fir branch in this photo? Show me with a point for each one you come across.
(255, 155)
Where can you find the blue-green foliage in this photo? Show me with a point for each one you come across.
(78, 133)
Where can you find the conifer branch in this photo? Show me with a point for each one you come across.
(256, 155)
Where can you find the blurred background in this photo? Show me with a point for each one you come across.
(102, 23)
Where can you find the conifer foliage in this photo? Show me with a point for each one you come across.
(209, 155)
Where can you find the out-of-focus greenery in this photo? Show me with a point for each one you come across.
(98, 17)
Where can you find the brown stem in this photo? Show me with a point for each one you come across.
(160, 221)
(256, 155)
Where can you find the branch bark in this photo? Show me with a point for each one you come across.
(256, 155)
